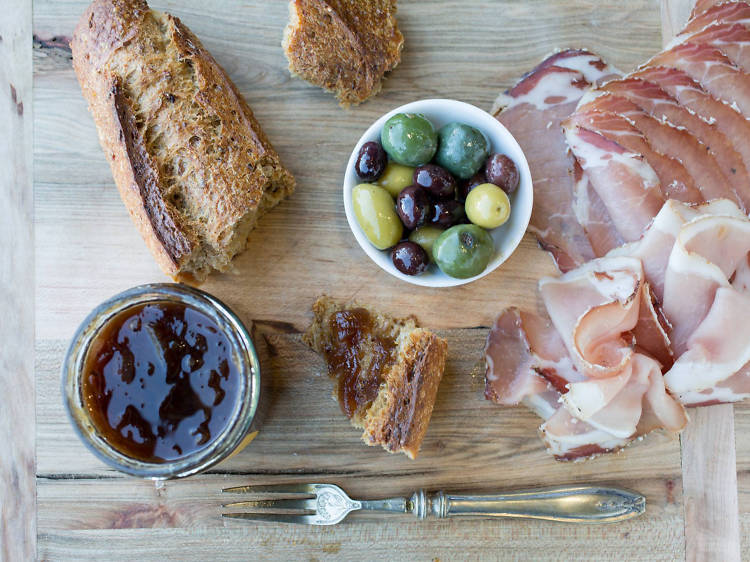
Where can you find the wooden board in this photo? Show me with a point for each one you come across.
(17, 498)
(87, 250)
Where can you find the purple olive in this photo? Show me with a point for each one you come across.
(409, 258)
(371, 161)
(447, 213)
(413, 207)
(503, 172)
(465, 186)
(438, 181)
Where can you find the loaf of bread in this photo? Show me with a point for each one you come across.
(344, 46)
(388, 371)
(192, 164)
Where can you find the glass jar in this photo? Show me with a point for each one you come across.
(240, 428)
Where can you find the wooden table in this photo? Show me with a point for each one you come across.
(72, 244)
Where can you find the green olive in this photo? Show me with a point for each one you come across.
(487, 206)
(409, 139)
(463, 251)
(396, 177)
(463, 149)
(425, 236)
(376, 215)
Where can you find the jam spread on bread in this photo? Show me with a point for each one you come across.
(160, 381)
(357, 357)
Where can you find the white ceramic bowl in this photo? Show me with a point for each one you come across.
(441, 112)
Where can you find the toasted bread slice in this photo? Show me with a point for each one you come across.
(344, 46)
(192, 164)
(388, 371)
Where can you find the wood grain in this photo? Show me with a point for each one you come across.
(17, 490)
(88, 250)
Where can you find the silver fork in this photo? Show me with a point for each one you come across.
(326, 504)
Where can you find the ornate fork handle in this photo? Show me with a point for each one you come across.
(575, 504)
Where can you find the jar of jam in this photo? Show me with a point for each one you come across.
(162, 381)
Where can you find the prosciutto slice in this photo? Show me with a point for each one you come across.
(674, 179)
(731, 39)
(712, 69)
(693, 97)
(626, 183)
(726, 12)
(659, 105)
(532, 111)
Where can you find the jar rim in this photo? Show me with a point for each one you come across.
(243, 414)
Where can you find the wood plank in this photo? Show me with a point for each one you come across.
(710, 485)
(17, 465)
(708, 450)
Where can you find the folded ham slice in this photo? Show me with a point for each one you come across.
(594, 368)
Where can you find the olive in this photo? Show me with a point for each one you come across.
(488, 206)
(409, 258)
(463, 149)
(371, 161)
(437, 181)
(395, 178)
(376, 215)
(463, 251)
(502, 171)
(409, 139)
(465, 186)
(425, 236)
(413, 206)
(447, 213)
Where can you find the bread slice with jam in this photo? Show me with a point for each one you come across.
(387, 371)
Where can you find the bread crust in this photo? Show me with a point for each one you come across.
(343, 46)
(399, 416)
(193, 166)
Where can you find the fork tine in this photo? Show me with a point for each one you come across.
(308, 489)
(282, 503)
(272, 517)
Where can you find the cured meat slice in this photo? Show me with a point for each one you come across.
(569, 438)
(652, 99)
(702, 6)
(594, 69)
(674, 180)
(523, 346)
(699, 265)
(657, 243)
(713, 70)
(691, 95)
(726, 12)
(532, 111)
(679, 144)
(651, 331)
(732, 39)
(625, 182)
(592, 214)
(733, 389)
(592, 307)
(716, 359)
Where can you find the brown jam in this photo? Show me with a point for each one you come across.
(357, 357)
(160, 381)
